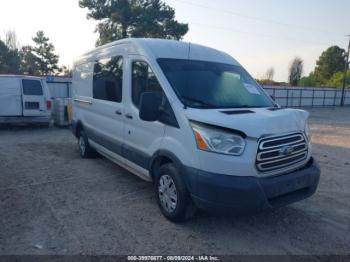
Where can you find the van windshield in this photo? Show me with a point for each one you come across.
(201, 84)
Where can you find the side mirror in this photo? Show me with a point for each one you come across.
(150, 105)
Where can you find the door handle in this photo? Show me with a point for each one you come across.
(129, 116)
(118, 112)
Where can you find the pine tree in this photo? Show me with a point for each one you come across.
(9, 60)
(29, 61)
(44, 51)
(133, 18)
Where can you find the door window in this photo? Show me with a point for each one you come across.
(143, 79)
(32, 87)
(108, 80)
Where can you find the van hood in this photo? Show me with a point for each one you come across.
(254, 122)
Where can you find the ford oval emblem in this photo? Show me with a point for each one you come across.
(287, 150)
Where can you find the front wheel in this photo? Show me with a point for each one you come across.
(85, 150)
(172, 195)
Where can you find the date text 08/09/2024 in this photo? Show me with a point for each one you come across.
(173, 258)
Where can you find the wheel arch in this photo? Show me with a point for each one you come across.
(162, 157)
(78, 127)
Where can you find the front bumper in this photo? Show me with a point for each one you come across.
(215, 192)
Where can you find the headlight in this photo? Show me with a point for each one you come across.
(217, 140)
(307, 131)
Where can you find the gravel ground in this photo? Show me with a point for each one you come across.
(53, 202)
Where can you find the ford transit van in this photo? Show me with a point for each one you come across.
(192, 121)
(24, 100)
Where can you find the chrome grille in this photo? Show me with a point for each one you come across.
(281, 152)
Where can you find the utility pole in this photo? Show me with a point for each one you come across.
(345, 74)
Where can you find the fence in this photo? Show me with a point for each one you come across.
(307, 96)
(284, 96)
(60, 87)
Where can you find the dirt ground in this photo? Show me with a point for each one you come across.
(53, 202)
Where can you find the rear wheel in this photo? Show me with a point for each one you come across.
(85, 150)
(172, 195)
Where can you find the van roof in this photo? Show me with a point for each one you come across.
(161, 48)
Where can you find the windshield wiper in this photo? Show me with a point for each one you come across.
(202, 103)
(212, 106)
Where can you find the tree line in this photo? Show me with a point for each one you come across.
(329, 71)
(37, 59)
(152, 19)
(118, 19)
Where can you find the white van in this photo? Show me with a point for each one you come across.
(191, 120)
(24, 99)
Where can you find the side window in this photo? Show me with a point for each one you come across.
(143, 79)
(32, 87)
(108, 80)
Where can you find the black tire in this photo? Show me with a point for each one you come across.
(85, 151)
(185, 208)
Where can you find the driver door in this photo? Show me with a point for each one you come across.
(141, 139)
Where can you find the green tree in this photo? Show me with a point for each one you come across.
(295, 71)
(308, 81)
(29, 62)
(133, 18)
(338, 78)
(330, 62)
(65, 71)
(3, 54)
(46, 60)
(9, 60)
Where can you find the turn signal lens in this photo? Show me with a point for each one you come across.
(200, 141)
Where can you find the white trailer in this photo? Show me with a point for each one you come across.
(24, 99)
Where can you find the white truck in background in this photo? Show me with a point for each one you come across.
(24, 100)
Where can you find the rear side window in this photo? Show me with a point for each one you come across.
(143, 79)
(32, 87)
(108, 79)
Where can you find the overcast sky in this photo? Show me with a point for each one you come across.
(259, 34)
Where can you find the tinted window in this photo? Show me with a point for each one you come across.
(108, 80)
(143, 79)
(32, 87)
(202, 84)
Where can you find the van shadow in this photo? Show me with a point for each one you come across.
(283, 230)
(321, 221)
